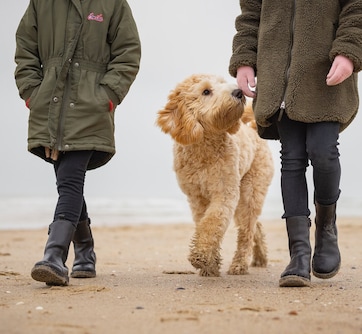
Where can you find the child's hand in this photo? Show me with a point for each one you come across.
(245, 79)
(52, 154)
(341, 69)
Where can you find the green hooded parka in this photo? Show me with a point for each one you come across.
(76, 60)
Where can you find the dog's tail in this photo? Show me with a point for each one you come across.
(248, 116)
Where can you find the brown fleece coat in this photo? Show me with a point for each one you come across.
(291, 46)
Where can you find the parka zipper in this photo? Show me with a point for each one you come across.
(292, 26)
(63, 111)
(67, 89)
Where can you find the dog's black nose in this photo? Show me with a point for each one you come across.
(237, 93)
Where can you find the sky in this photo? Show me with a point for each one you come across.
(178, 39)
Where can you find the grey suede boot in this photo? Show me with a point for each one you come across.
(297, 273)
(85, 257)
(327, 258)
(52, 269)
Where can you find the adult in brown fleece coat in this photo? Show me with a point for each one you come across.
(305, 55)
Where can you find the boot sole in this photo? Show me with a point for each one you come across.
(326, 275)
(48, 275)
(83, 274)
(294, 281)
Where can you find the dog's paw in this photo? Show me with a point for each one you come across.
(238, 269)
(207, 268)
(209, 272)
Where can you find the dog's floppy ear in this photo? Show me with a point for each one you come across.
(165, 119)
(176, 120)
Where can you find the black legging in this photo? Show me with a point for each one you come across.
(70, 170)
(301, 142)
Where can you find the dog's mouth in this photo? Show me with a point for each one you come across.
(228, 117)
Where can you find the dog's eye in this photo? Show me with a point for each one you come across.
(206, 92)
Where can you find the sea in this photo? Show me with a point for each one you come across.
(36, 212)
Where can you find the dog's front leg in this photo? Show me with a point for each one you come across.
(205, 245)
(241, 259)
(249, 231)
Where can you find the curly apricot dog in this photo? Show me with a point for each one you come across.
(222, 166)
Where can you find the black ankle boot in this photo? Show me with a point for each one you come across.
(85, 258)
(52, 269)
(297, 273)
(327, 258)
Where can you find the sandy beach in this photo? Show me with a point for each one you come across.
(145, 284)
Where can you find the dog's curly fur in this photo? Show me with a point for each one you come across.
(223, 167)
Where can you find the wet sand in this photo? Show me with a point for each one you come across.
(145, 284)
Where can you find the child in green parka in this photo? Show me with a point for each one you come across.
(76, 61)
(305, 56)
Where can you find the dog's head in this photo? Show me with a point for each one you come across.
(201, 105)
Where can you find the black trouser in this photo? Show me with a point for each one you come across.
(70, 170)
(301, 142)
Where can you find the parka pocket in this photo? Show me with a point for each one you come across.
(111, 105)
(40, 97)
(31, 98)
(91, 96)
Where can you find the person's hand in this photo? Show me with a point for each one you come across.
(245, 78)
(52, 154)
(341, 69)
